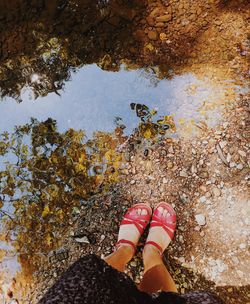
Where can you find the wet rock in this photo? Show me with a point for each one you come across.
(146, 152)
(159, 24)
(200, 219)
(150, 21)
(164, 18)
(152, 35)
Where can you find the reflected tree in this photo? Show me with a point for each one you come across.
(47, 175)
(51, 39)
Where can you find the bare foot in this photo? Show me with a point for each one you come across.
(129, 231)
(158, 234)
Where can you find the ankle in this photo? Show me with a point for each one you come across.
(125, 251)
(150, 251)
(151, 257)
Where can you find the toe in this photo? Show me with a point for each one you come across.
(161, 210)
(165, 212)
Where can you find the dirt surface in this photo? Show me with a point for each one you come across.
(206, 178)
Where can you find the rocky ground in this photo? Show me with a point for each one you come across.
(207, 181)
(205, 178)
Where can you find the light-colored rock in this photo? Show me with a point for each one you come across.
(203, 199)
(229, 157)
(165, 180)
(183, 173)
(222, 144)
(242, 153)
(171, 150)
(203, 188)
(216, 191)
(200, 219)
(239, 166)
(83, 239)
(221, 155)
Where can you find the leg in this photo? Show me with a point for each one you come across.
(131, 228)
(120, 258)
(156, 276)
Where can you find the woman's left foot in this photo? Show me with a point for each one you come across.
(133, 225)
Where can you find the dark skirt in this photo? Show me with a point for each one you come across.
(91, 280)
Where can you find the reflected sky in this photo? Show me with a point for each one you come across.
(93, 98)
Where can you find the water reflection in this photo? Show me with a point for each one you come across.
(98, 96)
(52, 165)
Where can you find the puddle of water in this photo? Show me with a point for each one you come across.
(93, 98)
(91, 101)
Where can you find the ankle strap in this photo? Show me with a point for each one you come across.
(155, 245)
(123, 241)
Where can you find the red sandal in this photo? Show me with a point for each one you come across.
(140, 221)
(167, 223)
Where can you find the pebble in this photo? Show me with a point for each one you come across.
(171, 150)
(242, 153)
(193, 151)
(164, 18)
(152, 35)
(200, 219)
(222, 144)
(208, 194)
(203, 199)
(170, 165)
(132, 182)
(83, 239)
(183, 173)
(242, 246)
(239, 166)
(229, 157)
(163, 36)
(165, 180)
(203, 188)
(193, 168)
(232, 164)
(216, 191)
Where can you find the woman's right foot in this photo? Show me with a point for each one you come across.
(162, 228)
